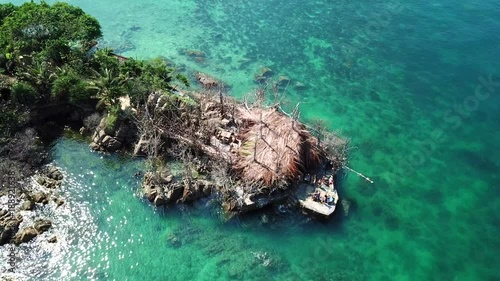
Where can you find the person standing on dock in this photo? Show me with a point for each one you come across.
(330, 183)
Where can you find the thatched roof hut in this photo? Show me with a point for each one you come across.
(275, 147)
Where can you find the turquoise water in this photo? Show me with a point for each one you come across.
(398, 78)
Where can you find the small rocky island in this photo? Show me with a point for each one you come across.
(248, 154)
(245, 154)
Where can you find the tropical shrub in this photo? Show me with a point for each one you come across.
(12, 118)
(69, 86)
(24, 93)
(114, 114)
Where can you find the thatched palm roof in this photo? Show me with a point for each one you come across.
(274, 146)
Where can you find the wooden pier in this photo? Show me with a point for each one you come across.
(318, 205)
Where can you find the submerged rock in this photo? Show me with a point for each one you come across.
(263, 75)
(283, 81)
(206, 81)
(174, 240)
(299, 86)
(53, 239)
(265, 72)
(195, 53)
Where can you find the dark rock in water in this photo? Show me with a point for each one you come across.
(27, 205)
(151, 194)
(265, 72)
(134, 28)
(40, 197)
(207, 190)
(173, 240)
(195, 53)
(54, 173)
(53, 239)
(9, 225)
(5, 235)
(42, 225)
(283, 81)
(206, 81)
(205, 187)
(59, 201)
(41, 180)
(25, 235)
(50, 177)
(47, 182)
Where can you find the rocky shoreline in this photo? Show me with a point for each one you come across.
(40, 189)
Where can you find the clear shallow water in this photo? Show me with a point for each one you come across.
(389, 75)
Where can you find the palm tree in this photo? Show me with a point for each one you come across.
(40, 76)
(108, 86)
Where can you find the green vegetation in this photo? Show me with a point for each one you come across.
(24, 93)
(114, 114)
(51, 32)
(47, 54)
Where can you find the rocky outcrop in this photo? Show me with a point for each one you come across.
(25, 235)
(53, 173)
(110, 139)
(29, 233)
(251, 202)
(50, 177)
(163, 190)
(40, 197)
(27, 205)
(42, 225)
(9, 225)
(160, 189)
(196, 190)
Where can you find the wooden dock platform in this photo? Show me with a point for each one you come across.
(305, 196)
